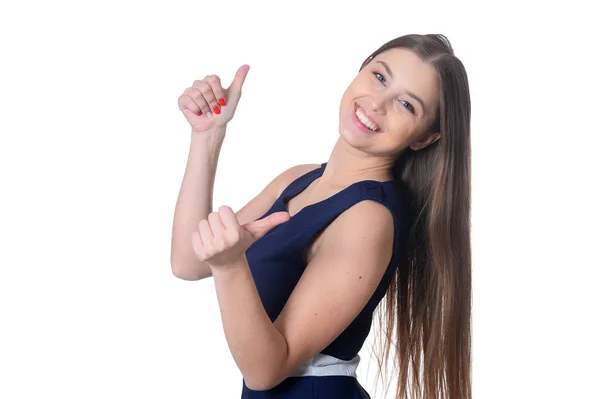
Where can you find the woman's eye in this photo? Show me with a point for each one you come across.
(379, 77)
(408, 106)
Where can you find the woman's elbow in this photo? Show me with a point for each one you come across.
(263, 380)
(187, 273)
(256, 384)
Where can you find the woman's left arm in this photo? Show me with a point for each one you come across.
(256, 345)
(334, 288)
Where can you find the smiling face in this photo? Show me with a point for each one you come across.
(390, 104)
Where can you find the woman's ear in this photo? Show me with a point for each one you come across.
(425, 141)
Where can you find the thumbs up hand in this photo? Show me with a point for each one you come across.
(206, 104)
(220, 240)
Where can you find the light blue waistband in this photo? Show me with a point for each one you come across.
(322, 365)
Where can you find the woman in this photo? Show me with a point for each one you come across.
(300, 269)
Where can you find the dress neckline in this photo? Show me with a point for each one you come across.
(308, 178)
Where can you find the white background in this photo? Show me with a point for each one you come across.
(94, 148)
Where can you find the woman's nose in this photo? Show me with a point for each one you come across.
(378, 104)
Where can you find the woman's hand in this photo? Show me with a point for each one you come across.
(207, 105)
(220, 240)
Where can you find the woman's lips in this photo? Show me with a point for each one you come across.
(359, 124)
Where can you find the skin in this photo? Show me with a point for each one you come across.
(359, 156)
(347, 261)
(386, 101)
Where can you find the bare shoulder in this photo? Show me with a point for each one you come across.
(366, 226)
(261, 203)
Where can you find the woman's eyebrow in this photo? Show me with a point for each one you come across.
(387, 68)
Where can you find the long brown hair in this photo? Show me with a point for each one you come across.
(429, 299)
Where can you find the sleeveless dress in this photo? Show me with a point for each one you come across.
(276, 262)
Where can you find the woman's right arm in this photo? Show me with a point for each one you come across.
(195, 202)
(207, 107)
(195, 199)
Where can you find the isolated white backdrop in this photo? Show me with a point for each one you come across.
(94, 148)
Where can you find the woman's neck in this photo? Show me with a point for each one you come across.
(347, 165)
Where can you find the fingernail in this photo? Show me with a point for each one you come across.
(209, 114)
(199, 112)
(217, 110)
(222, 101)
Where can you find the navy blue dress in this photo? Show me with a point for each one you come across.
(277, 262)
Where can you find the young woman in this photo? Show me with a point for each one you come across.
(301, 268)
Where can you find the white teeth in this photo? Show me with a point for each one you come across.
(363, 118)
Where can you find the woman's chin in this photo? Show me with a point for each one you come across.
(355, 138)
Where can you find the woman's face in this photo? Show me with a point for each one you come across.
(390, 104)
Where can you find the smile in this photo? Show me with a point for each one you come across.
(363, 121)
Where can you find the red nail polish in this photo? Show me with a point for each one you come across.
(199, 113)
(217, 110)
(222, 101)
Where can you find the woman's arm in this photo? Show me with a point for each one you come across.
(336, 285)
(195, 202)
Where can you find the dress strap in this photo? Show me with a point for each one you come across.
(359, 191)
(300, 183)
